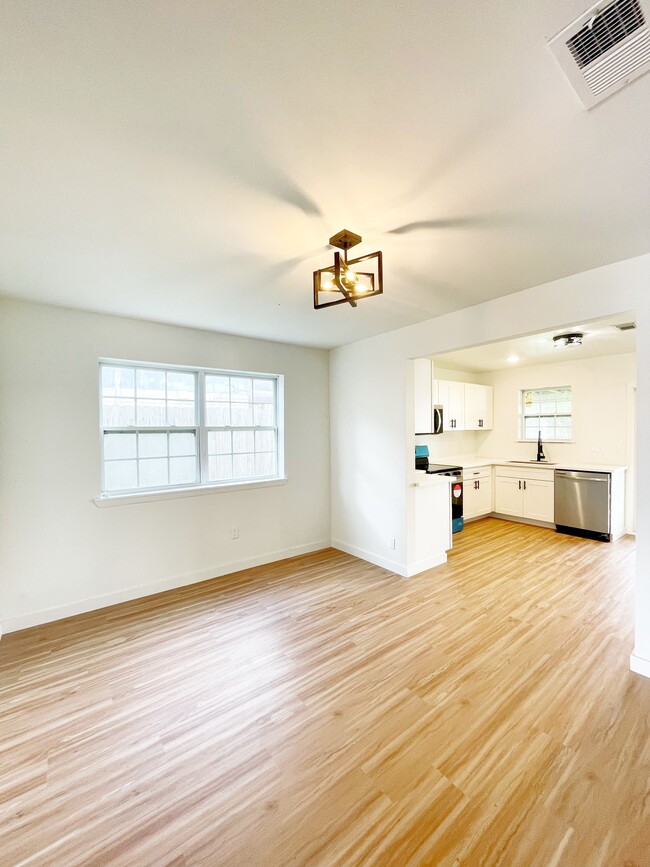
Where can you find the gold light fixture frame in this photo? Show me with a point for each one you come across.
(344, 240)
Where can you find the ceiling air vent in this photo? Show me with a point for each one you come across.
(626, 326)
(605, 48)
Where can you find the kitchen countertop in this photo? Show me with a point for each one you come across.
(467, 462)
(421, 479)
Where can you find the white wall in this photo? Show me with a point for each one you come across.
(59, 553)
(599, 395)
(371, 386)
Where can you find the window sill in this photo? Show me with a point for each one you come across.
(180, 493)
(549, 442)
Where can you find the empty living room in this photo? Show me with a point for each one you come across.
(324, 396)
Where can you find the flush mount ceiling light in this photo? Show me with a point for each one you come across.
(573, 339)
(344, 278)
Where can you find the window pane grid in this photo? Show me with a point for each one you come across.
(239, 401)
(167, 427)
(241, 453)
(546, 411)
(148, 460)
(147, 397)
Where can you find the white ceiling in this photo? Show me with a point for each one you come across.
(184, 162)
(600, 338)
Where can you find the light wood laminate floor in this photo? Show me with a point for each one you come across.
(322, 711)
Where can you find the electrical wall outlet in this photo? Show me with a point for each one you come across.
(391, 543)
(234, 532)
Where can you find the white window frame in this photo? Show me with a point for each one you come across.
(522, 415)
(200, 430)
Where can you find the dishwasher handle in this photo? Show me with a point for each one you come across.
(578, 476)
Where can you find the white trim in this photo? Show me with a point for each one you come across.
(424, 565)
(93, 603)
(555, 442)
(517, 519)
(630, 458)
(171, 493)
(391, 565)
(639, 665)
(377, 560)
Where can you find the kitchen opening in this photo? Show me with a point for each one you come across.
(538, 429)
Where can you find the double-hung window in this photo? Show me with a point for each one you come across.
(179, 427)
(546, 410)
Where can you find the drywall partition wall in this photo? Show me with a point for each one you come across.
(368, 424)
(59, 553)
(373, 380)
(599, 409)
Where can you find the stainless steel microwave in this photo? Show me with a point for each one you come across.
(436, 422)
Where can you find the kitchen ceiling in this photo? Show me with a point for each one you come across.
(187, 162)
(601, 337)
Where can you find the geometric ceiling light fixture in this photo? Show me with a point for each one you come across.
(344, 282)
(573, 339)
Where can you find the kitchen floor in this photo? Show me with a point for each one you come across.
(323, 711)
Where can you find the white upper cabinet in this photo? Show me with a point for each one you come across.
(452, 397)
(465, 405)
(423, 394)
(478, 406)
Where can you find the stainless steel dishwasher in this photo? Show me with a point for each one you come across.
(582, 503)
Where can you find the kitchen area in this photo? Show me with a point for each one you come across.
(537, 430)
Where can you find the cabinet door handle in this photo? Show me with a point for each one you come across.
(519, 484)
(524, 486)
(478, 485)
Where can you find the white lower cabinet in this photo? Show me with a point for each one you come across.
(477, 492)
(539, 500)
(525, 493)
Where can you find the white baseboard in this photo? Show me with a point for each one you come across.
(423, 565)
(531, 521)
(639, 665)
(371, 557)
(83, 606)
(392, 565)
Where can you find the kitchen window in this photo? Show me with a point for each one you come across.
(547, 410)
(166, 427)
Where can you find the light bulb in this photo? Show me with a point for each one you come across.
(327, 286)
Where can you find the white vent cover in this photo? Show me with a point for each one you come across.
(626, 326)
(605, 48)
